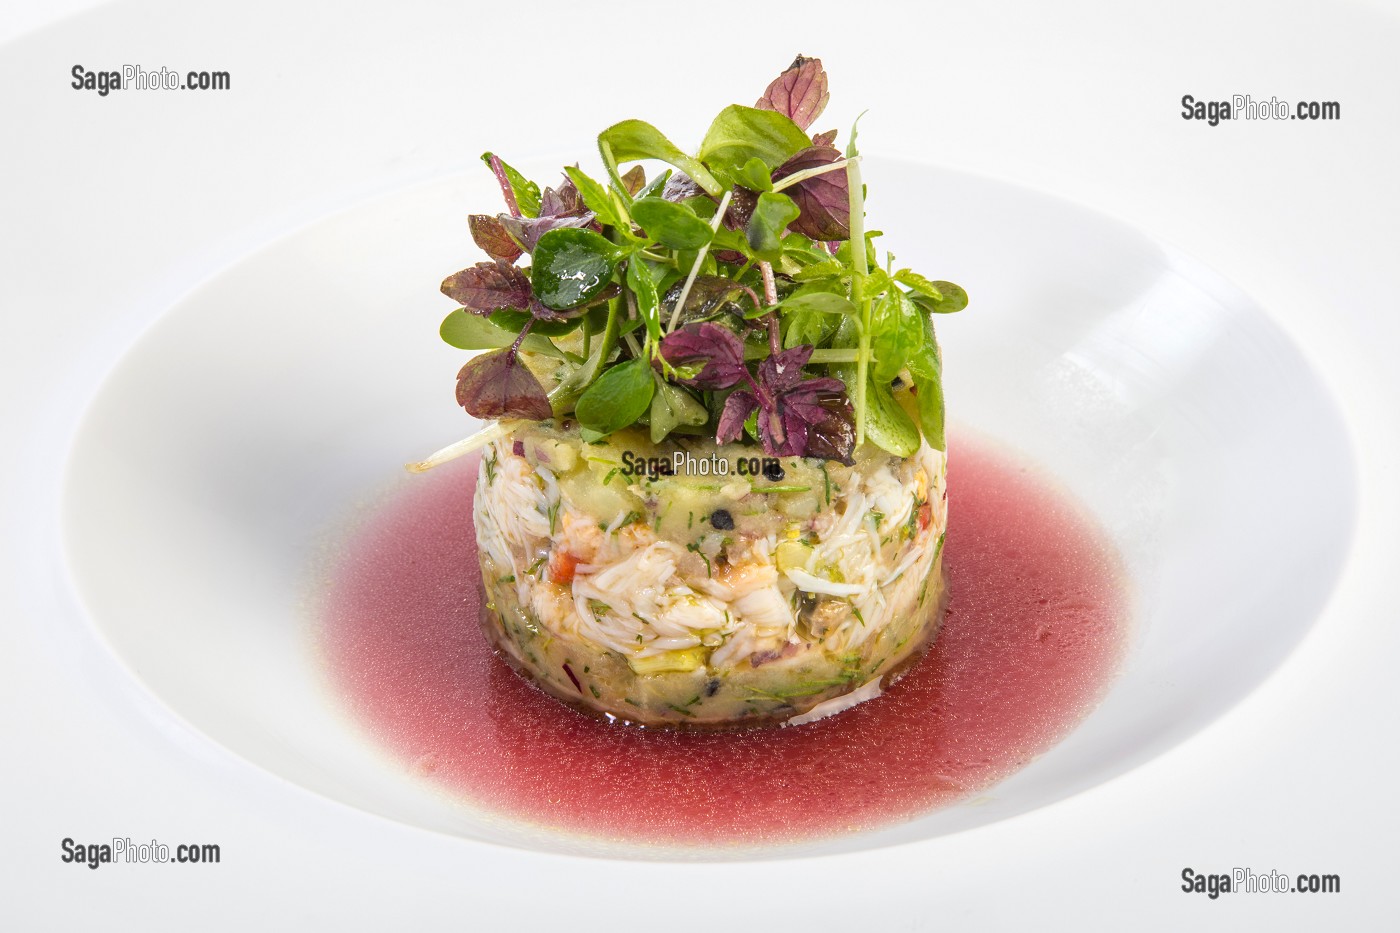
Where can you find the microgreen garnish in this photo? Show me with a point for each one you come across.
(722, 298)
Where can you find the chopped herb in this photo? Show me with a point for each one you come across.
(911, 526)
(553, 513)
(695, 548)
(855, 611)
(799, 690)
(489, 462)
(537, 565)
(826, 482)
(762, 489)
(611, 473)
(594, 690)
(681, 709)
(509, 578)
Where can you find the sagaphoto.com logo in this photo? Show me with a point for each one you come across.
(135, 78)
(1244, 107)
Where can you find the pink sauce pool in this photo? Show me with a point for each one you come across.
(1031, 639)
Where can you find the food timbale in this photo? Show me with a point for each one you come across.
(694, 600)
(712, 488)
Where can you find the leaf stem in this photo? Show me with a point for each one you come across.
(651, 350)
(770, 298)
(610, 163)
(770, 287)
(699, 260)
(498, 169)
(834, 356)
(797, 178)
(859, 269)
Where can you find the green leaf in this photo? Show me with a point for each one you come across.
(896, 334)
(655, 186)
(726, 239)
(826, 269)
(808, 327)
(819, 302)
(851, 150)
(886, 424)
(771, 215)
(596, 197)
(673, 225)
(803, 251)
(740, 133)
(643, 286)
(917, 283)
(672, 407)
(953, 299)
(527, 193)
(570, 267)
(637, 139)
(755, 175)
(473, 332)
(876, 282)
(617, 399)
(926, 367)
(514, 321)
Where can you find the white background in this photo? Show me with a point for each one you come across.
(113, 207)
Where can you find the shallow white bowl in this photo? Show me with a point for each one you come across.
(213, 470)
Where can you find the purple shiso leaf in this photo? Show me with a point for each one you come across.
(488, 287)
(490, 234)
(529, 230)
(824, 140)
(681, 187)
(799, 92)
(782, 371)
(719, 350)
(822, 199)
(562, 203)
(831, 434)
(559, 208)
(803, 417)
(737, 409)
(741, 208)
(498, 385)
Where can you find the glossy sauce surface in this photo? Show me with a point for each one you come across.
(1032, 637)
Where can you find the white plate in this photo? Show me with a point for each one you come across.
(258, 412)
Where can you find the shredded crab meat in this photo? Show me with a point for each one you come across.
(640, 596)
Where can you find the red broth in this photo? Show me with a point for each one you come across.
(1032, 637)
